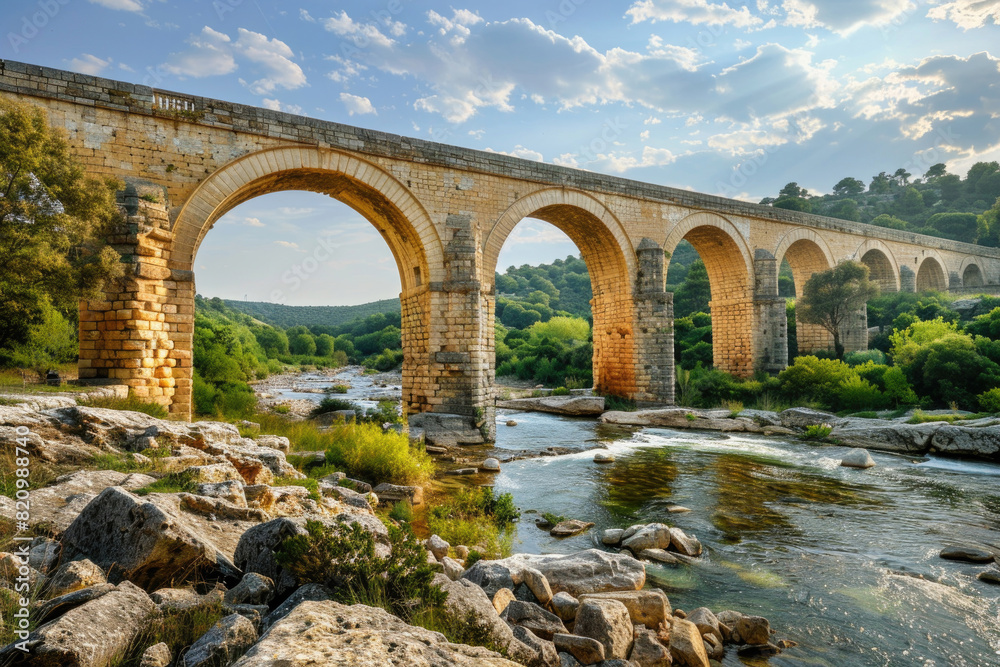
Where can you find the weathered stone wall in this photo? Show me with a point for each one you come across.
(445, 213)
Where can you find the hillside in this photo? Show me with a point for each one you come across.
(330, 316)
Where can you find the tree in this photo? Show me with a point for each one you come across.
(53, 225)
(902, 177)
(324, 345)
(694, 293)
(793, 190)
(848, 187)
(911, 200)
(302, 343)
(832, 298)
(988, 226)
(881, 184)
(935, 171)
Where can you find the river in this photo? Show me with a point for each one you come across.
(843, 561)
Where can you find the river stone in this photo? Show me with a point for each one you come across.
(43, 555)
(136, 540)
(686, 545)
(254, 589)
(612, 536)
(73, 576)
(511, 422)
(393, 493)
(577, 406)
(686, 645)
(646, 607)
(224, 643)
(452, 568)
(803, 417)
(608, 622)
(753, 630)
(967, 554)
(255, 552)
(565, 606)
(329, 633)
(92, 635)
(604, 457)
(570, 527)
(437, 546)
(50, 609)
(543, 652)
(468, 602)
(989, 576)
(528, 615)
(492, 575)
(585, 650)
(981, 442)
(858, 458)
(501, 599)
(490, 465)
(311, 592)
(588, 571)
(713, 646)
(706, 621)
(538, 585)
(157, 655)
(279, 442)
(647, 651)
(651, 536)
(659, 555)
(185, 599)
(884, 435)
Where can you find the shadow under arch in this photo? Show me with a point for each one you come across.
(807, 253)
(611, 261)
(882, 266)
(971, 273)
(374, 193)
(729, 264)
(932, 273)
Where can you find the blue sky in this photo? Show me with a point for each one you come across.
(727, 98)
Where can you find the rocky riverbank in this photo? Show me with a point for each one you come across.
(102, 555)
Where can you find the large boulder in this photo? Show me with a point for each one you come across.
(585, 651)
(886, 436)
(857, 458)
(255, 552)
(648, 607)
(686, 644)
(254, 589)
(608, 622)
(647, 651)
(803, 417)
(73, 576)
(223, 644)
(589, 571)
(683, 418)
(133, 539)
(528, 615)
(982, 442)
(91, 635)
(650, 536)
(329, 633)
(575, 406)
(309, 592)
(60, 503)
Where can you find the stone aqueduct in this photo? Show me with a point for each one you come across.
(445, 213)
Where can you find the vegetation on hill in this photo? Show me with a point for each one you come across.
(283, 316)
(938, 204)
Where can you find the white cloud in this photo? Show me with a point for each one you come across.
(651, 120)
(357, 105)
(840, 16)
(363, 34)
(967, 14)
(88, 64)
(287, 244)
(212, 53)
(519, 151)
(459, 22)
(692, 11)
(278, 105)
(123, 5)
(651, 157)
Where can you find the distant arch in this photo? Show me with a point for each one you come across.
(971, 273)
(931, 275)
(881, 263)
(807, 253)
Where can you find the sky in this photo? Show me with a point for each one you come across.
(727, 98)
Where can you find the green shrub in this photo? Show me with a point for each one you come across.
(343, 558)
(817, 431)
(368, 453)
(476, 517)
(330, 404)
(402, 511)
(560, 391)
(861, 356)
(308, 483)
(989, 401)
(856, 393)
(474, 557)
(814, 379)
(619, 403)
(337, 389)
(174, 482)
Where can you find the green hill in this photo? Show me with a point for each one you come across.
(330, 316)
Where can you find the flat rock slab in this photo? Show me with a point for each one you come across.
(686, 418)
(570, 527)
(577, 406)
(329, 633)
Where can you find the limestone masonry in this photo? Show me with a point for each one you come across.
(445, 212)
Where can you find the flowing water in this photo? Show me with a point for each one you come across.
(843, 561)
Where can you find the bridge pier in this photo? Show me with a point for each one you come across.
(770, 321)
(654, 328)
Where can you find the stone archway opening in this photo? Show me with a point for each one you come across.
(972, 276)
(880, 270)
(931, 276)
(595, 234)
(729, 285)
(805, 257)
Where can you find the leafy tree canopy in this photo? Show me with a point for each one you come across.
(831, 298)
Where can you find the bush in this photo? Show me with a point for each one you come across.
(989, 401)
(476, 517)
(813, 379)
(856, 393)
(343, 558)
(330, 404)
(862, 356)
(817, 431)
(366, 452)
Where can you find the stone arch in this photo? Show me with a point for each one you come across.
(806, 252)
(971, 273)
(932, 275)
(373, 192)
(729, 264)
(611, 261)
(881, 263)
(401, 219)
